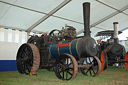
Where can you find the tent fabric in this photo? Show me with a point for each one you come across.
(103, 14)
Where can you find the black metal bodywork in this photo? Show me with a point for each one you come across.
(115, 52)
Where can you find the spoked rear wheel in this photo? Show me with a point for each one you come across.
(28, 59)
(66, 67)
(126, 60)
(94, 66)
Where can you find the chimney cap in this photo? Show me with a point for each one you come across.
(115, 22)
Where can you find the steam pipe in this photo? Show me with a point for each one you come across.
(86, 16)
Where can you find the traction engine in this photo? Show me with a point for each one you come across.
(111, 51)
(62, 51)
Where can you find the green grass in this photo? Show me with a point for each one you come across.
(111, 76)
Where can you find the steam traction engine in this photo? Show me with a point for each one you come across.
(61, 50)
(111, 51)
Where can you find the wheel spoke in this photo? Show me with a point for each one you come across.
(66, 74)
(25, 52)
(90, 60)
(70, 68)
(93, 66)
(85, 61)
(27, 65)
(71, 63)
(63, 74)
(87, 71)
(29, 56)
(26, 68)
(90, 72)
(70, 73)
(62, 70)
(30, 63)
(93, 70)
(21, 64)
(62, 63)
(67, 61)
(20, 60)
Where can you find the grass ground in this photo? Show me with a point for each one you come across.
(111, 76)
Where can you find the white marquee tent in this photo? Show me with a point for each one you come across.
(45, 15)
(18, 18)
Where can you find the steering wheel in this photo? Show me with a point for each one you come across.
(52, 33)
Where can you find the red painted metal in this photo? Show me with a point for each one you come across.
(98, 41)
(126, 60)
(63, 45)
(127, 38)
(102, 61)
(106, 50)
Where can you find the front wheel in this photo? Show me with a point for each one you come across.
(66, 67)
(92, 66)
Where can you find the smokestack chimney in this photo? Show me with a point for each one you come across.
(115, 31)
(86, 16)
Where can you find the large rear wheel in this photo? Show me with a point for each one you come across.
(28, 59)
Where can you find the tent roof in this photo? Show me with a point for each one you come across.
(34, 14)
